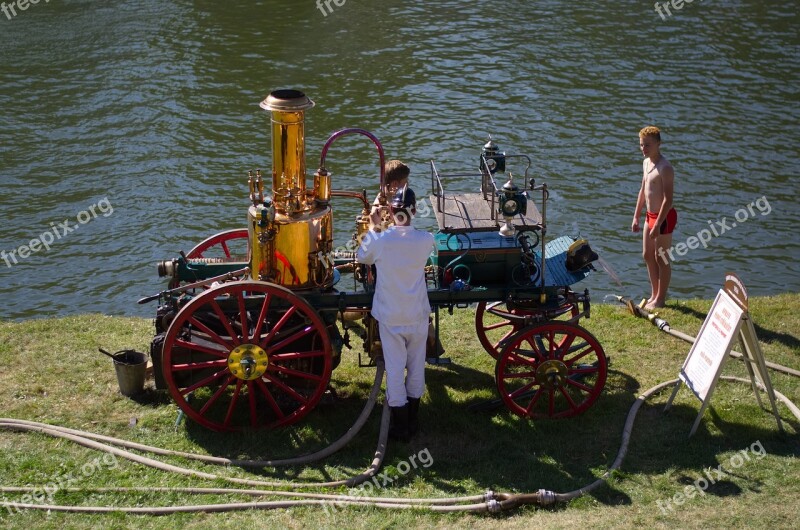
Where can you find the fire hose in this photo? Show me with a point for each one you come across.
(486, 502)
(664, 326)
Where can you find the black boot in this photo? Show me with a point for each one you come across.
(398, 426)
(413, 415)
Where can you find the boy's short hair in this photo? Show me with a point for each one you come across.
(651, 130)
(395, 171)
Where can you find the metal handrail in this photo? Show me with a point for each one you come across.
(487, 180)
(436, 187)
(489, 186)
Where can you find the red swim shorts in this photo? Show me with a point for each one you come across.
(668, 225)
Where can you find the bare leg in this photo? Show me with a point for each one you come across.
(664, 269)
(649, 255)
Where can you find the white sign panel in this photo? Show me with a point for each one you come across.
(714, 342)
(723, 325)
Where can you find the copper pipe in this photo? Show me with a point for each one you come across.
(344, 132)
(353, 194)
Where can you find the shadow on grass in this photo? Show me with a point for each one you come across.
(475, 451)
(470, 451)
(764, 335)
(661, 444)
(330, 419)
(151, 397)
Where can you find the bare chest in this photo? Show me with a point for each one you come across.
(653, 186)
(652, 178)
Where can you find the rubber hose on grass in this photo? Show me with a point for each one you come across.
(489, 501)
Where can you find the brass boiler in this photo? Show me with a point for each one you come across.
(291, 234)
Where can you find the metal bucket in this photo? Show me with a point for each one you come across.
(130, 367)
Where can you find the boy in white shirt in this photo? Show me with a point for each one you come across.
(401, 307)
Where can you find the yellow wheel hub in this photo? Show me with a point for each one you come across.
(550, 373)
(248, 361)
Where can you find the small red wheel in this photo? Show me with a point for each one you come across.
(228, 244)
(496, 322)
(221, 243)
(551, 370)
(250, 354)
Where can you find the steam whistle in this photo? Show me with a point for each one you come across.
(256, 187)
(251, 183)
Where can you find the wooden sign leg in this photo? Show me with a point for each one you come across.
(748, 362)
(753, 351)
(699, 417)
(674, 393)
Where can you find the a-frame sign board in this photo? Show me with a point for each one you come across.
(727, 321)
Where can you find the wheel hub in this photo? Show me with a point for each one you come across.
(550, 373)
(248, 361)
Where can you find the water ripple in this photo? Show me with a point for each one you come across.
(154, 107)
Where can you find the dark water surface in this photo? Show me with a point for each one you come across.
(148, 112)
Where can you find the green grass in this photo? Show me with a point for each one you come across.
(51, 372)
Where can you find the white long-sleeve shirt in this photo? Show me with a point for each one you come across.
(400, 254)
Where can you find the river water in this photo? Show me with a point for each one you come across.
(148, 113)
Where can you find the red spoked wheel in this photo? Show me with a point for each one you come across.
(229, 245)
(247, 355)
(222, 243)
(495, 322)
(551, 370)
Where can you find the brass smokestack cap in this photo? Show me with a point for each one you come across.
(287, 101)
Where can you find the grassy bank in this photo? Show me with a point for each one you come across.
(51, 372)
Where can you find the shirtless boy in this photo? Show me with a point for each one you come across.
(656, 193)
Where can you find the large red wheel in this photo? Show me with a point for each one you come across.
(246, 355)
(496, 322)
(222, 243)
(551, 370)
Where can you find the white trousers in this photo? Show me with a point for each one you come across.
(404, 351)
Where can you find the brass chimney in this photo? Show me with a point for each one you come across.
(288, 149)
